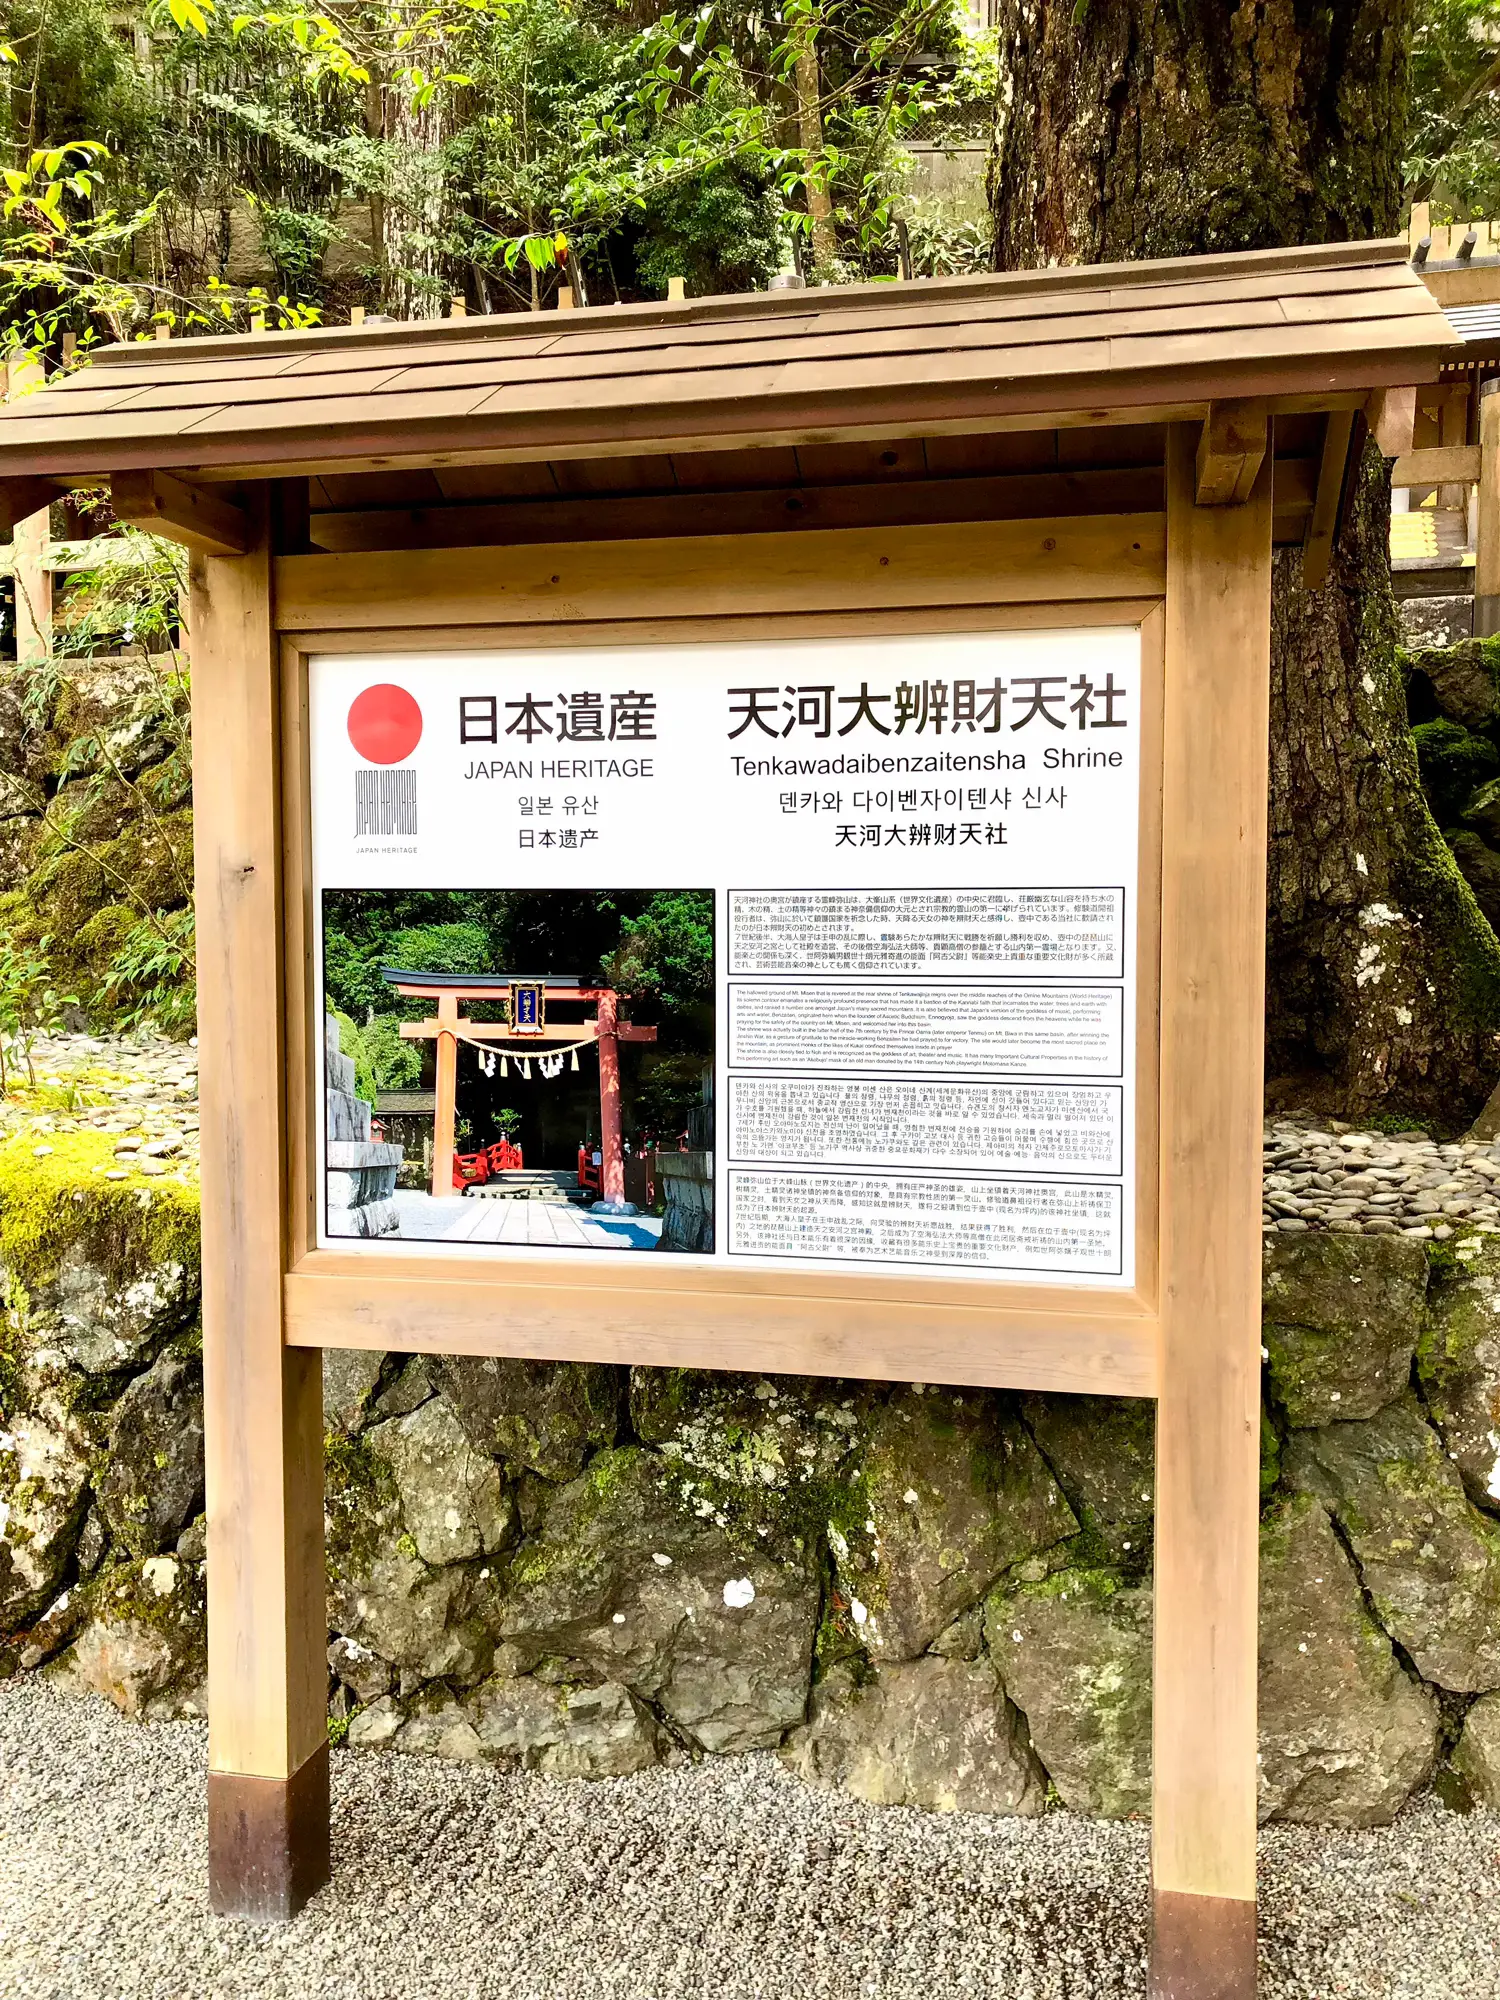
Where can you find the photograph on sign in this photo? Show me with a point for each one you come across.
(893, 1025)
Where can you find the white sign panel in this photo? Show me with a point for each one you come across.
(814, 954)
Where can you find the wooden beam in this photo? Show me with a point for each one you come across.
(1230, 449)
(1216, 728)
(1089, 556)
(1436, 464)
(527, 1307)
(198, 517)
(20, 499)
(1322, 523)
(1392, 417)
(263, 1408)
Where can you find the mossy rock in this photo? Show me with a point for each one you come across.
(103, 1269)
(1341, 1316)
(1346, 1734)
(1428, 1559)
(1464, 679)
(1453, 763)
(1074, 1652)
(1103, 1450)
(1479, 865)
(1458, 1363)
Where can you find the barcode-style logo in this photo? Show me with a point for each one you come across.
(385, 803)
(385, 725)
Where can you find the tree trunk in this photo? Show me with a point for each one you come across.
(1160, 128)
(810, 123)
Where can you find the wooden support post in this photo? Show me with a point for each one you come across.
(1453, 434)
(263, 1405)
(1323, 521)
(611, 1139)
(445, 1100)
(1487, 527)
(1218, 634)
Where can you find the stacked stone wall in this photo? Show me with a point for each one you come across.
(926, 1595)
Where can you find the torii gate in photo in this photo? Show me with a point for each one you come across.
(606, 1028)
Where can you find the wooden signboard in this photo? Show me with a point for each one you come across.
(917, 640)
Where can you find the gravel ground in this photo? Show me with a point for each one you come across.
(722, 1881)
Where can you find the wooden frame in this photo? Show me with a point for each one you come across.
(1187, 1333)
(913, 1329)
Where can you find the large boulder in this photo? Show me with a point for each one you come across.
(104, 1323)
(954, 1492)
(1463, 678)
(568, 1732)
(428, 1622)
(547, 1416)
(1341, 1316)
(1458, 1362)
(626, 1578)
(453, 1500)
(145, 1646)
(1429, 1560)
(1103, 1450)
(1476, 1757)
(934, 1733)
(1346, 1735)
(44, 1476)
(350, 1378)
(753, 1434)
(153, 1481)
(1074, 1653)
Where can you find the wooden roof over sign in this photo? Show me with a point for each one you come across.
(1300, 328)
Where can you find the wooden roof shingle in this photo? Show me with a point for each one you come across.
(1293, 326)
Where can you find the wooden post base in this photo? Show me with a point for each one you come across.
(1202, 1947)
(268, 1840)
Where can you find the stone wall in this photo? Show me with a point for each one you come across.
(924, 1595)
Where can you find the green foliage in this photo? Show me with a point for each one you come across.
(30, 1004)
(667, 952)
(1454, 148)
(108, 855)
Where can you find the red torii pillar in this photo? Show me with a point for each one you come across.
(607, 1029)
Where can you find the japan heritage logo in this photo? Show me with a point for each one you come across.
(385, 726)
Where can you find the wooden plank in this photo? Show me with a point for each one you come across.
(248, 392)
(262, 1404)
(557, 1320)
(1218, 611)
(1436, 464)
(852, 568)
(1322, 522)
(1231, 446)
(1349, 264)
(196, 516)
(302, 1049)
(798, 509)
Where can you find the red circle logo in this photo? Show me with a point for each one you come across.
(385, 724)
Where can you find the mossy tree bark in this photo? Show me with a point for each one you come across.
(1158, 128)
